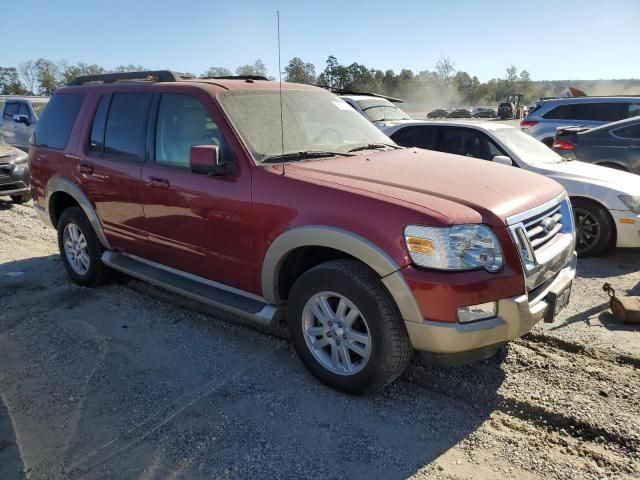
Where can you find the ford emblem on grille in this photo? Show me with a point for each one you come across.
(548, 224)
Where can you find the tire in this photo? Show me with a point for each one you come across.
(94, 272)
(22, 198)
(376, 318)
(594, 227)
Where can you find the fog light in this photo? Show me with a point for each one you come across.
(477, 312)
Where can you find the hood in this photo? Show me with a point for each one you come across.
(444, 186)
(587, 173)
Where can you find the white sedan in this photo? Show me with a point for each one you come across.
(606, 202)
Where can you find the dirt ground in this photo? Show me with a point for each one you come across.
(127, 381)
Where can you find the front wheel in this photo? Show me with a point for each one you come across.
(594, 227)
(346, 328)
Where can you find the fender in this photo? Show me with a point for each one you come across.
(61, 184)
(344, 241)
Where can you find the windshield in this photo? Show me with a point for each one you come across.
(379, 109)
(314, 121)
(38, 107)
(526, 147)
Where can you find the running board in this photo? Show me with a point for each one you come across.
(233, 300)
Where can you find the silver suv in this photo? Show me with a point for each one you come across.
(19, 118)
(547, 115)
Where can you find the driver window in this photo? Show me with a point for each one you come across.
(183, 122)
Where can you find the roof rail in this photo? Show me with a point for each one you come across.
(147, 75)
(236, 77)
(342, 91)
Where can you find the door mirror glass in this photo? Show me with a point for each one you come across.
(21, 119)
(503, 159)
(205, 160)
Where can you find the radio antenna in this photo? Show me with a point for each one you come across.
(280, 79)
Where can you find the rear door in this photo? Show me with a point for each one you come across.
(110, 171)
(195, 223)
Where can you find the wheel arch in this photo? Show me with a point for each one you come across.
(342, 242)
(614, 237)
(62, 193)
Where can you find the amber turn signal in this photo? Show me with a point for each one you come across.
(421, 245)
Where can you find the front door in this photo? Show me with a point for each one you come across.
(195, 223)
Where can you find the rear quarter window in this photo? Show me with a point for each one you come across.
(55, 125)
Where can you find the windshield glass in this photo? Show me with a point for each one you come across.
(379, 109)
(526, 147)
(314, 121)
(38, 107)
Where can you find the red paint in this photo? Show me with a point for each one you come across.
(221, 227)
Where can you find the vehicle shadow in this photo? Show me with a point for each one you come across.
(11, 466)
(138, 385)
(620, 261)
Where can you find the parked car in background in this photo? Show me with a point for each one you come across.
(19, 119)
(378, 109)
(606, 202)
(484, 112)
(548, 115)
(438, 113)
(615, 145)
(506, 111)
(193, 186)
(14, 173)
(460, 113)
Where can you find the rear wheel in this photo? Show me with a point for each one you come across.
(346, 328)
(594, 227)
(22, 198)
(80, 248)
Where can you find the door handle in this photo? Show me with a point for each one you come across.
(86, 169)
(155, 182)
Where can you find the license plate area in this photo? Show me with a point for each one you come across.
(557, 302)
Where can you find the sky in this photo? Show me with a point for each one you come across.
(553, 40)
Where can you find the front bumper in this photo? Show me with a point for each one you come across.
(627, 228)
(14, 179)
(516, 316)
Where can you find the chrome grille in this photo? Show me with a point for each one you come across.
(545, 238)
(5, 169)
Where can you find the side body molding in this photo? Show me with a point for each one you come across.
(347, 242)
(61, 184)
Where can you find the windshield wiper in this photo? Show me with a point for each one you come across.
(374, 146)
(296, 156)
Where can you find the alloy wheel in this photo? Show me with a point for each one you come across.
(336, 333)
(76, 249)
(587, 229)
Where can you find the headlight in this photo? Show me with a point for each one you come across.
(632, 203)
(461, 247)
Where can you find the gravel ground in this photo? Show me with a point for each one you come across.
(127, 381)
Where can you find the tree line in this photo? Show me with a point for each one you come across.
(444, 83)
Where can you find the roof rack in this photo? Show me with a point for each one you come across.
(147, 75)
(341, 91)
(236, 77)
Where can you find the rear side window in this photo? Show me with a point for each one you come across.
(126, 125)
(421, 137)
(601, 112)
(57, 120)
(633, 110)
(10, 110)
(96, 143)
(23, 109)
(631, 132)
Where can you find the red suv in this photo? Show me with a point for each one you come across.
(280, 203)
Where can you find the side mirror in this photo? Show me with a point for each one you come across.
(503, 159)
(205, 160)
(21, 119)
